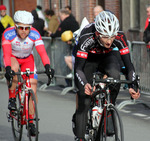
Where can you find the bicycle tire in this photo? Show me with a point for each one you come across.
(117, 124)
(35, 119)
(16, 125)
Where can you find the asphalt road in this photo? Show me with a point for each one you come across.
(55, 113)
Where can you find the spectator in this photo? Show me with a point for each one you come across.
(6, 20)
(97, 10)
(146, 35)
(67, 23)
(53, 20)
(38, 23)
(68, 8)
(148, 16)
(67, 36)
(41, 15)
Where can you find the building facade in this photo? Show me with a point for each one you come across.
(131, 13)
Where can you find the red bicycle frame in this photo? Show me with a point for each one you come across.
(24, 105)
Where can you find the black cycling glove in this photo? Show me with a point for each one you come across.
(49, 71)
(9, 73)
(134, 85)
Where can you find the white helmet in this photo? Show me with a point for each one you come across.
(107, 23)
(24, 17)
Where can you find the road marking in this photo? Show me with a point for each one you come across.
(143, 116)
(125, 111)
(140, 115)
(147, 118)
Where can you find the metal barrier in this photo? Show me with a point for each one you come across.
(56, 50)
(140, 56)
(141, 61)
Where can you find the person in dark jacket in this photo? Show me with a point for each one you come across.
(67, 23)
(69, 9)
(38, 23)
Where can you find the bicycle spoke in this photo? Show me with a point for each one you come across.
(35, 118)
(16, 121)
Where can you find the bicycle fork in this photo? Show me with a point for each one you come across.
(25, 114)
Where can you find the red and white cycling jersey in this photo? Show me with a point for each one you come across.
(13, 45)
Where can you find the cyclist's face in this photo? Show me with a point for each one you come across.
(22, 30)
(106, 41)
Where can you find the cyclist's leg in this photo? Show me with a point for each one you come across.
(15, 68)
(81, 114)
(83, 99)
(111, 67)
(12, 95)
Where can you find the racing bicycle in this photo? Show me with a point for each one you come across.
(24, 96)
(102, 113)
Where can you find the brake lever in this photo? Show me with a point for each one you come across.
(49, 81)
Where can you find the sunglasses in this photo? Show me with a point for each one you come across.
(23, 27)
(106, 36)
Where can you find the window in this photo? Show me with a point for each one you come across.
(135, 14)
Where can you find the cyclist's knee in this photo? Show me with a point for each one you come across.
(84, 102)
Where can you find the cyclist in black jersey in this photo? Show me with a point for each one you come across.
(94, 52)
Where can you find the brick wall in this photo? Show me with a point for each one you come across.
(46, 5)
(28, 5)
(113, 6)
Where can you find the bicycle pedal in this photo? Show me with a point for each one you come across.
(9, 117)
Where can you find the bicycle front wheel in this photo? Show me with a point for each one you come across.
(17, 127)
(113, 132)
(32, 105)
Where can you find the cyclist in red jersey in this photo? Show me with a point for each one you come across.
(18, 43)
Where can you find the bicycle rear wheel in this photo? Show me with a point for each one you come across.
(118, 133)
(17, 128)
(35, 118)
